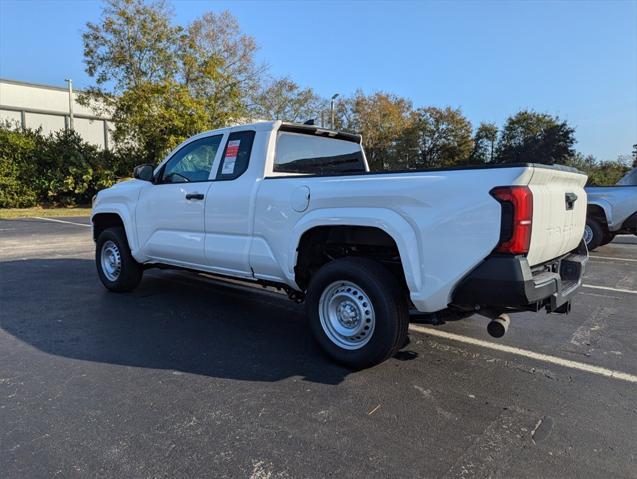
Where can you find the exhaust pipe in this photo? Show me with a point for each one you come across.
(497, 327)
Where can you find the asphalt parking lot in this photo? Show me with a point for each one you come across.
(188, 377)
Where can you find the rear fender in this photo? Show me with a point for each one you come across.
(386, 220)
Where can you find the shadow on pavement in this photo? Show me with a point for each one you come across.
(172, 321)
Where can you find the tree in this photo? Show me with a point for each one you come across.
(383, 119)
(156, 117)
(162, 83)
(134, 43)
(600, 173)
(218, 65)
(635, 155)
(529, 136)
(283, 99)
(484, 143)
(442, 136)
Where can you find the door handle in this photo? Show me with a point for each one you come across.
(194, 196)
(570, 199)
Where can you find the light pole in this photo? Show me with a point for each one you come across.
(334, 96)
(70, 82)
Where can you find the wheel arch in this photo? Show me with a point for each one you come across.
(383, 228)
(112, 218)
(600, 211)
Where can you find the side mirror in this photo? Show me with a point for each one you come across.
(144, 172)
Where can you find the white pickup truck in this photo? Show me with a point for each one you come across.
(295, 206)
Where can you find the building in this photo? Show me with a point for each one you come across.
(32, 105)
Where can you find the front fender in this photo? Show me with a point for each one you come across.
(123, 211)
(386, 220)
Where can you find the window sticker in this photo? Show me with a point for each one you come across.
(232, 150)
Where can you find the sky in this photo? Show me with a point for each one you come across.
(574, 59)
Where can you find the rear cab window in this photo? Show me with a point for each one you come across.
(316, 154)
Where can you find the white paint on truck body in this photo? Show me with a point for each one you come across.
(556, 229)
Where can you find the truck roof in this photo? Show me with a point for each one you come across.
(268, 125)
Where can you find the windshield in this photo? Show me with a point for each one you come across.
(629, 179)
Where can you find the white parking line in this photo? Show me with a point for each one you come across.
(606, 296)
(615, 259)
(61, 221)
(10, 246)
(567, 363)
(607, 288)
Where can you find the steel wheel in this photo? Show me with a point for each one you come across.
(347, 315)
(111, 260)
(588, 234)
(357, 311)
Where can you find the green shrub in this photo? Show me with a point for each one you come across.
(17, 168)
(58, 169)
(70, 170)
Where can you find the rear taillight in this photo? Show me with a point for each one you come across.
(517, 218)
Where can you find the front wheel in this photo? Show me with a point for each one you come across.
(357, 312)
(116, 267)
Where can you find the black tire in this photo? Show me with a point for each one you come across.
(608, 237)
(389, 303)
(130, 271)
(597, 233)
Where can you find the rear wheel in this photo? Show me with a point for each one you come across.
(116, 267)
(593, 233)
(358, 313)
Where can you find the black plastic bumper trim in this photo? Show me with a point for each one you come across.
(509, 282)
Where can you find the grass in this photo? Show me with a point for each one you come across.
(9, 213)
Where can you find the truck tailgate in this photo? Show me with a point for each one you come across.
(559, 212)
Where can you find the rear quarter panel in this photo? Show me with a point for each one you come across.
(444, 222)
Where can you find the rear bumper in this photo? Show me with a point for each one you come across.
(509, 282)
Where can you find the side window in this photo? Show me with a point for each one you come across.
(193, 162)
(316, 155)
(236, 156)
